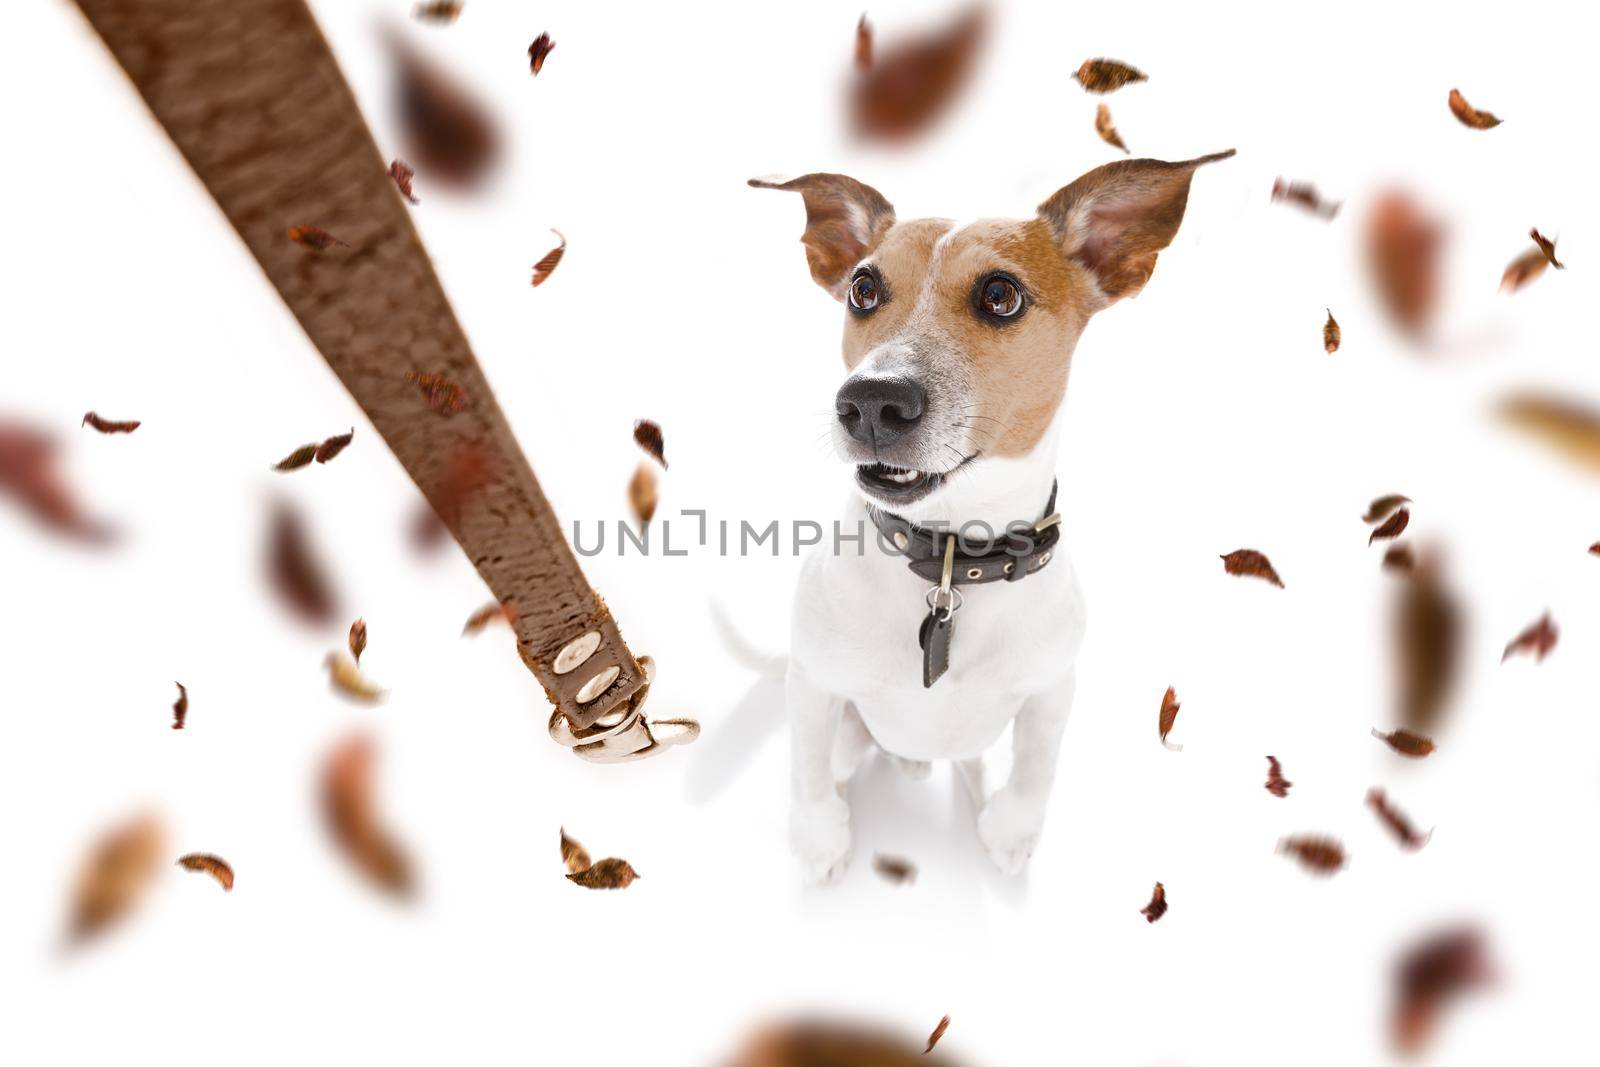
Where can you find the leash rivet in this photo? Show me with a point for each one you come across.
(574, 654)
(1008, 568)
(901, 541)
(976, 572)
(1044, 559)
(597, 685)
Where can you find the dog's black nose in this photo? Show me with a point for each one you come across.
(880, 411)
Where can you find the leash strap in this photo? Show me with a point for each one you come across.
(250, 93)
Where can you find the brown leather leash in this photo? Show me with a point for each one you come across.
(250, 93)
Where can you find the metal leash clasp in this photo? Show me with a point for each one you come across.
(623, 734)
(945, 596)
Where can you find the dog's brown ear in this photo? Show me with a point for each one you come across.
(1116, 218)
(844, 220)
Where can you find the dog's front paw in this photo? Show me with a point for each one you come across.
(1009, 828)
(819, 834)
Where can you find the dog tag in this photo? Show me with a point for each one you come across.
(934, 638)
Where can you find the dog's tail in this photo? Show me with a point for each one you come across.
(766, 664)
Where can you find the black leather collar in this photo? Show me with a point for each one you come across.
(1018, 551)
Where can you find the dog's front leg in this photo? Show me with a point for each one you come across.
(1010, 822)
(819, 823)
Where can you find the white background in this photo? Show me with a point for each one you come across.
(1203, 417)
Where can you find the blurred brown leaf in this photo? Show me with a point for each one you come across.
(28, 472)
(441, 11)
(1397, 823)
(1428, 976)
(816, 1043)
(1248, 563)
(294, 572)
(115, 876)
(647, 435)
(1405, 742)
(1383, 507)
(215, 866)
(642, 495)
(1277, 784)
(314, 238)
(605, 874)
(1524, 269)
(894, 869)
(541, 47)
(448, 134)
(487, 614)
(1157, 906)
(1304, 195)
(1402, 252)
(574, 855)
(1427, 634)
(543, 269)
(1538, 639)
(349, 809)
(1394, 527)
(1469, 115)
(1398, 558)
(1569, 427)
(402, 175)
(180, 707)
(1106, 75)
(1319, 855)
(348, 679)
(1168, 717)
(358, 639)
(105, 425)
(938, 1032)
(1330, 333)
(1104, 127)
(914, 80)
(1548, 247)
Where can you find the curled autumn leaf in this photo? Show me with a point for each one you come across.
(605, 874)
(647, 435)
(1393, 527)
(294, 571)
(541, 47)
(1383, 507)
(441, 11)
(314, 238)
(1395, 820)
(1248, 563)
(574, 855)
(29, 473)
(1405, 742)
(358, 639)
(487, 614)
(349, 809)
(215, 866)
(914, 80)
(1330, 333)
(1304, 195)
(1104, 127)
(1538, 639)
(1403, 243)
(115, 876)
(443, 396)
(448, 134)
(300, 457)
(894, 869)
(1277, 784)
(1157, 906)
(348, 679)
(401, 175)
(642, 493)
(334, 445)
(938, 1032)
(1428, 977)
(1106, 75)
(1169, 716)
(1319, 855)
(546, 266)
(105, 425)
(180, 707)
(1469, 115)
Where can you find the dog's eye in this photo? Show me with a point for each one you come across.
(1000, 297)
(864, 292)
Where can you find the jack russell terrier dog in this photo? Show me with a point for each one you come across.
(957, 343)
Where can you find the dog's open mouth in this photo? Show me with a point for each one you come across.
(900, 485)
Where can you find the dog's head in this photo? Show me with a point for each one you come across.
(958, 338)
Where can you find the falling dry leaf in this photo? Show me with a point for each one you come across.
(448, 134)
(1320, 855)
(349, 809)
(1571, 428)
(605, 874)
(1106, 75)
(1548, 247)
(895, 869)
(1330, 334)
(647, 435)
(938, 1032)
(1248, 563)
(294, 571)
(402, 175)
(300, 457)
(334, 445)
(1539, 639)
(914, 80)
(546, 266)
(443, 396)
(1108, 132)
(1398, 558)
(1394, 527)
(1402, 253)
(109, 425)
(1383, 507)
(541, 47)
(445, 11)
(487, 614)
(863, 45)
(1428, 976)
(1277, 784)
(1594, 549)
(821, 1043)
(115, 876)
(1427, 631)
(1169, 715)
(348, 679)
(180, 707)
(1157, 906)
(28, 472)
(642, 493)
(215, 866)
(574, 855)
(1395, 820)
(1522, 270)
(1304, 195)
(314, 239)
(1469, 115)
(358, 639)
(1405, 742)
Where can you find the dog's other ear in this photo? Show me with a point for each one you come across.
(844, 220)
(1116, 218)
